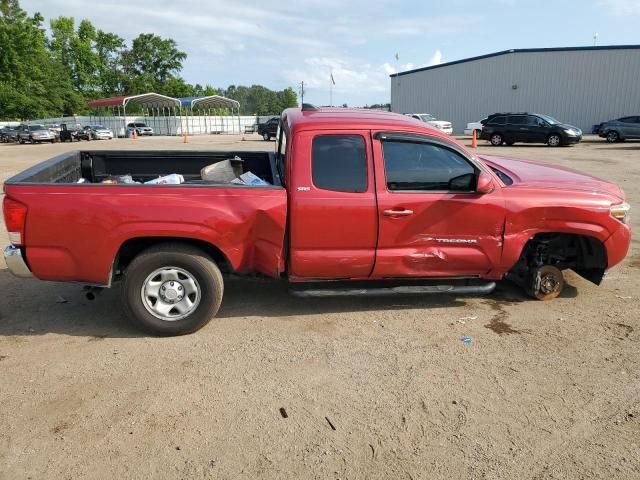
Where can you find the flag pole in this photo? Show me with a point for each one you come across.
(331, 89)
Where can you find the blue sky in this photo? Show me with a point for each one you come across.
(279, 44)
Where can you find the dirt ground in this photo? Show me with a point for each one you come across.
(376, 388)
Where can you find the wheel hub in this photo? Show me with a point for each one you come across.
(171, 291)
(548, 284)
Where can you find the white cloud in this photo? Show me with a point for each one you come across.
(277, 45)
(620, 7)
(436, 59)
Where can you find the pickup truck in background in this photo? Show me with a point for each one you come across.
(353, 202)
(269, 129)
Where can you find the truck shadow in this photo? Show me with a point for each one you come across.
(38, 308)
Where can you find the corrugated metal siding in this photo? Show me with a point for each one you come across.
(577, 87)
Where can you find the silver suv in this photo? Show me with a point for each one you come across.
(35, 134)
(620, 129)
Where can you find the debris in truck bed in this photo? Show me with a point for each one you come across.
(173, 179)
(224, 172)
(248, 178)
(117, 179)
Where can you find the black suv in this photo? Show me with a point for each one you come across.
(269, 129)
(509, 128)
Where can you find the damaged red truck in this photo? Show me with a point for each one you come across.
(358, 202)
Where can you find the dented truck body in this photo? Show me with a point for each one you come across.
(352, 195)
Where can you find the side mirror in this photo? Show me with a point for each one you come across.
(485, 183)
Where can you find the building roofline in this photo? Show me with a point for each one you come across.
(519, 50)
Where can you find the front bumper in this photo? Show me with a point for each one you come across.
(15, 262)
(617, 245)
(103, 136)
(570, 140)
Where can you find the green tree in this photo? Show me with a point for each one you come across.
(150, 62)
(32, 84)
(108, 49)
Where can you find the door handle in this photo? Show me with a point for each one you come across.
(398, 213)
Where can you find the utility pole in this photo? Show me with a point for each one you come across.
(595, 38)
(301, 90)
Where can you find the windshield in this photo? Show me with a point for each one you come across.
(425, 117)
(549, 119)
(97, 127)
(36, 127)
(140, 125)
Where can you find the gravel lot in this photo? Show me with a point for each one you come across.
(376, 388)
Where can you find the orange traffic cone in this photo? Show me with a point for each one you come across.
(474, 140)
(184, 138)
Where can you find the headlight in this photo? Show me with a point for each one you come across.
(571, 131)
(621, 211)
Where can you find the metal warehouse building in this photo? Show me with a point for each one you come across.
(577, 85)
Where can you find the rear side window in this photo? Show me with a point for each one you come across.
(424, 166)
(517, 120)
(339, 163)
(499, 120)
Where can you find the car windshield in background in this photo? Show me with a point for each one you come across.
(549, 119)
(97, 127)
(36, 127)
(426, 118)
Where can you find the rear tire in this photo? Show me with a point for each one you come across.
(266, 137)
(496, 139)
(193, 272)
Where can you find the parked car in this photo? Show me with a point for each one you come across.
(140, 128)
(84, 133)
(100, 132)
(269, 129)
(55, 129)
(69, 133)
(8, 135)
(509, 128)
(474, 127)
(355, 203)
(441, 125)
(35, 134)
(620, 129)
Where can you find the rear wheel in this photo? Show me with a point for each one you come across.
(613, 137)
(172, 289)
(496, 139)
(554, 140)
(266, 137)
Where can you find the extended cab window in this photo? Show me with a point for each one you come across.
(425, 166)
(339, 163)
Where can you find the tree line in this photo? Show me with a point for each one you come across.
(55, 74)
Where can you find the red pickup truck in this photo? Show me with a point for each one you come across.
(356, 202)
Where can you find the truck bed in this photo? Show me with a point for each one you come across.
(96, 166)
(76, 231)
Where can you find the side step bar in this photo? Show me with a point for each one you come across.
(400, 290)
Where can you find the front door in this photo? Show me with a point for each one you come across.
(432, 222)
